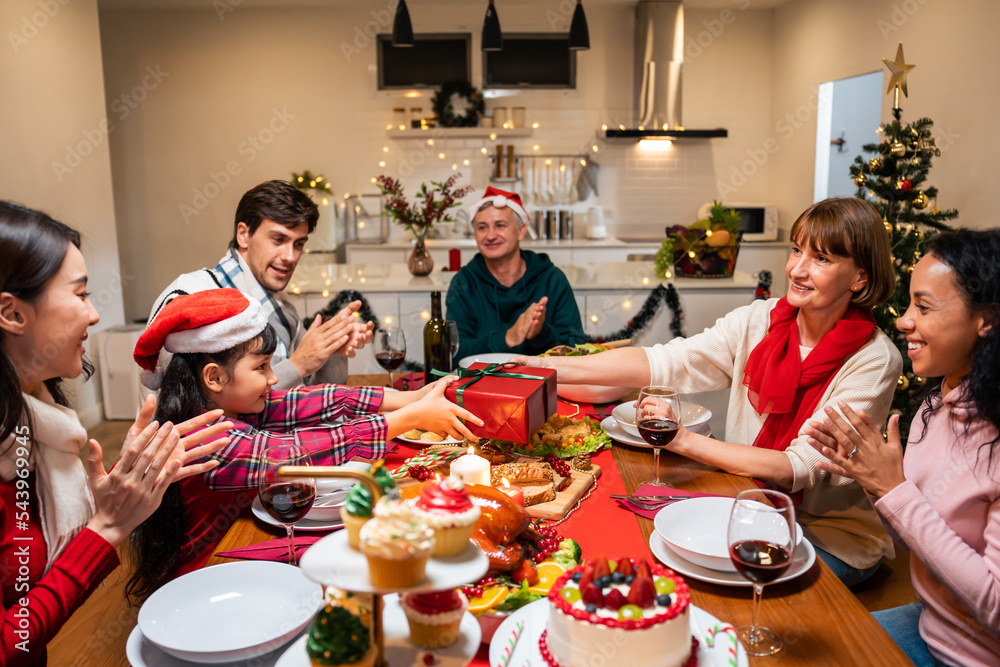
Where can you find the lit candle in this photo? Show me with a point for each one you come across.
(515, 492)
(471, 469)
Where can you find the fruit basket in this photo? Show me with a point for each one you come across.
(705, 249)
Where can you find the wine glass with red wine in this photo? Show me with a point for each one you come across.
(657, 416)
(285, 499)
(390, 349)
(762, 538)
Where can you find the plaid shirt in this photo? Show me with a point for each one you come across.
(300, 416)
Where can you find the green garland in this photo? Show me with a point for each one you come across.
(445, 111)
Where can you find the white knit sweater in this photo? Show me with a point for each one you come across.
(835, 513)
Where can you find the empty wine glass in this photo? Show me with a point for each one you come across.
(657, 416)
(762, 537)
(285, 499)
(390, 349)
(452, 336)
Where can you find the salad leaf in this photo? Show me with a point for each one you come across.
(518, 598)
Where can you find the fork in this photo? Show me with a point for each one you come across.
(651, 502)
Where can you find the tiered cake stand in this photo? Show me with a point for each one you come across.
(332, 562)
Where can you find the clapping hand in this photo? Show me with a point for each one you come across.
(153, 457)
(529, 324)
(856, 449)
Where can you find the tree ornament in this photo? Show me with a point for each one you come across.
(860, 180)
(888, 225)
(903, 383)
(920, 201)
(919, 381)
(904, 185)
(874, 164)
(898, 68)
(897, 149)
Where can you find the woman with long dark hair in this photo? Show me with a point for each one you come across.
(59, 524)
(942, 499)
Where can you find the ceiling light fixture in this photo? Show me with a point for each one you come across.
(579, 35)
(402, 28)
(492, 36)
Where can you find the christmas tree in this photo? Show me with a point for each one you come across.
(893, 181)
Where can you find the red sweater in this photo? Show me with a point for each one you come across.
(37, 605)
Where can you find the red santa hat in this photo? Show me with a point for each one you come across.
(209, 321)
(500, 199)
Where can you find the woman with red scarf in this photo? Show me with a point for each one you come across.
(783, 361)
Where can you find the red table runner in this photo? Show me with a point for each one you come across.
(599, 524)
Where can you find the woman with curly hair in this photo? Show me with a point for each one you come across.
(942, 499)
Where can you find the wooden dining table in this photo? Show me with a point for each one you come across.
(820, 621)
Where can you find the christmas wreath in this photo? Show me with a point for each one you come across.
(457, 104)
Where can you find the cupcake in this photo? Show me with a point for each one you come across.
(397, 544)
(358, 505)
(435, 618)
(338, 638)
(446, 507)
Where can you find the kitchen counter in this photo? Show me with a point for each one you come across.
(537, 245)
(313, 277)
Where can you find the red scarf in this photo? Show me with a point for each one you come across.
(786, 388)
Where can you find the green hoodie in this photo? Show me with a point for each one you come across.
(484, 309)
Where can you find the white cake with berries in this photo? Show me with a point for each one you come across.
(630, 614)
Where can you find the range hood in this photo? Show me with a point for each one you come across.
(659, 59)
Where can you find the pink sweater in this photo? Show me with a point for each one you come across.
(948, 514)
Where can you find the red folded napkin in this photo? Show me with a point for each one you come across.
(276, 550)
(650, 490)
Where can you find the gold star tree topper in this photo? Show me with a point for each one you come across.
(899, 69)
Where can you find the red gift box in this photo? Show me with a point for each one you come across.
(512, 408)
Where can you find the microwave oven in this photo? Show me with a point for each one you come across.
(757, 222)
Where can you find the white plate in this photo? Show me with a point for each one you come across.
(143, 653)
(619, 434)
(693, 416)
(805, 556)
(305, 525)
(486, 358)
(447, 441)
(229, 612)
(697, 530)
(535, 617)
(398, 649)
(332, 562)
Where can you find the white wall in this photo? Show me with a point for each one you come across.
(225, 79)
(954, 83)
(54, 142)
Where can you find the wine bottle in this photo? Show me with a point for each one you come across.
(437, 343)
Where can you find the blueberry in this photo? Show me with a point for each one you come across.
(617, 577)
(604, 581)
(576, 577)
(663, 600)
(629, 579)
(591, 608)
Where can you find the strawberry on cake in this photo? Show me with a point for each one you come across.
(633, 615)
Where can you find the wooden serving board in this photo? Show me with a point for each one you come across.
(551, 510)
(568, 497)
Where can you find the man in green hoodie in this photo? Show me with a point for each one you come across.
(508, 299)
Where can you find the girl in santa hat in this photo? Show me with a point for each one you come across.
(221, 344)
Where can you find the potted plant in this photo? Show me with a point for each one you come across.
(707, 248)
(431, 206)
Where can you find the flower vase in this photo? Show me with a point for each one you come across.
(420, 263)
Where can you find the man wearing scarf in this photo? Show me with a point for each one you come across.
(273, 222)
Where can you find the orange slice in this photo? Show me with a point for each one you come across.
(548, 572)
(492, 596)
